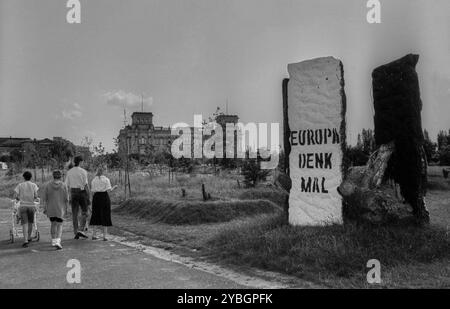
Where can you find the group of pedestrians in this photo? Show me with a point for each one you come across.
(56, 197)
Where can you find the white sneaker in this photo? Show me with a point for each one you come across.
(58, 244)
(53, 242)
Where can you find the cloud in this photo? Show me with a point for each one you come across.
(124, 99)
(72, 113)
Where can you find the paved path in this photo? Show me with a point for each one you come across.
(104, 264)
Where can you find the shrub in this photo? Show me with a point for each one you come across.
(252, 172)
(356, 156)
(444, 156)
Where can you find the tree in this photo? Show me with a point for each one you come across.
(444, 156)
(187, 165)
(30, 155)
(429, 146)
(252, 172)
(114, 160)
(161, 156)
(99, 150)
(86, 141)
(5, 158)
(44, 157)
(368, 141)
(100, 158)
(16, 156)
(356, 156)
(443, 140)
(359, 154)
(228, 163)
(282, 161)
(443, 148)
(213, 117)
(62, 151)
(149, 151)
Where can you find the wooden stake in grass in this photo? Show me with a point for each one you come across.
(206, 196)
(127, 171)
(129, 183)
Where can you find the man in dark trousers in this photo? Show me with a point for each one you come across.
(77, 182)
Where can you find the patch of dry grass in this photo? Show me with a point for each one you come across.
(438, 197)
(436, 180)
(5, 203)
(189, 236)
(225, 187)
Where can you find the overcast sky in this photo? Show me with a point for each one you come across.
(190, 56)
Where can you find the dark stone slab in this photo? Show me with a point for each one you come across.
(398, 109)
(286, 130)
(287, 148)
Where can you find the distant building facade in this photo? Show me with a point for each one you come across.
(11, 145)
(142, 138)
(223, 120)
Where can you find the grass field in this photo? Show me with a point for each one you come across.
(225, 187)
(336, 256)
(438, 197)
(226, 231)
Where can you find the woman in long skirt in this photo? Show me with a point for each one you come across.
(101, 204)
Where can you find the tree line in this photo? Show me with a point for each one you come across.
(33, 156)
(438, 153)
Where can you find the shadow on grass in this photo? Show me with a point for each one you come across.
(194, 212)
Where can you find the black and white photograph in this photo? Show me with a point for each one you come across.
(224, 151)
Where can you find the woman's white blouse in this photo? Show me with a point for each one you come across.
(100, 184)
